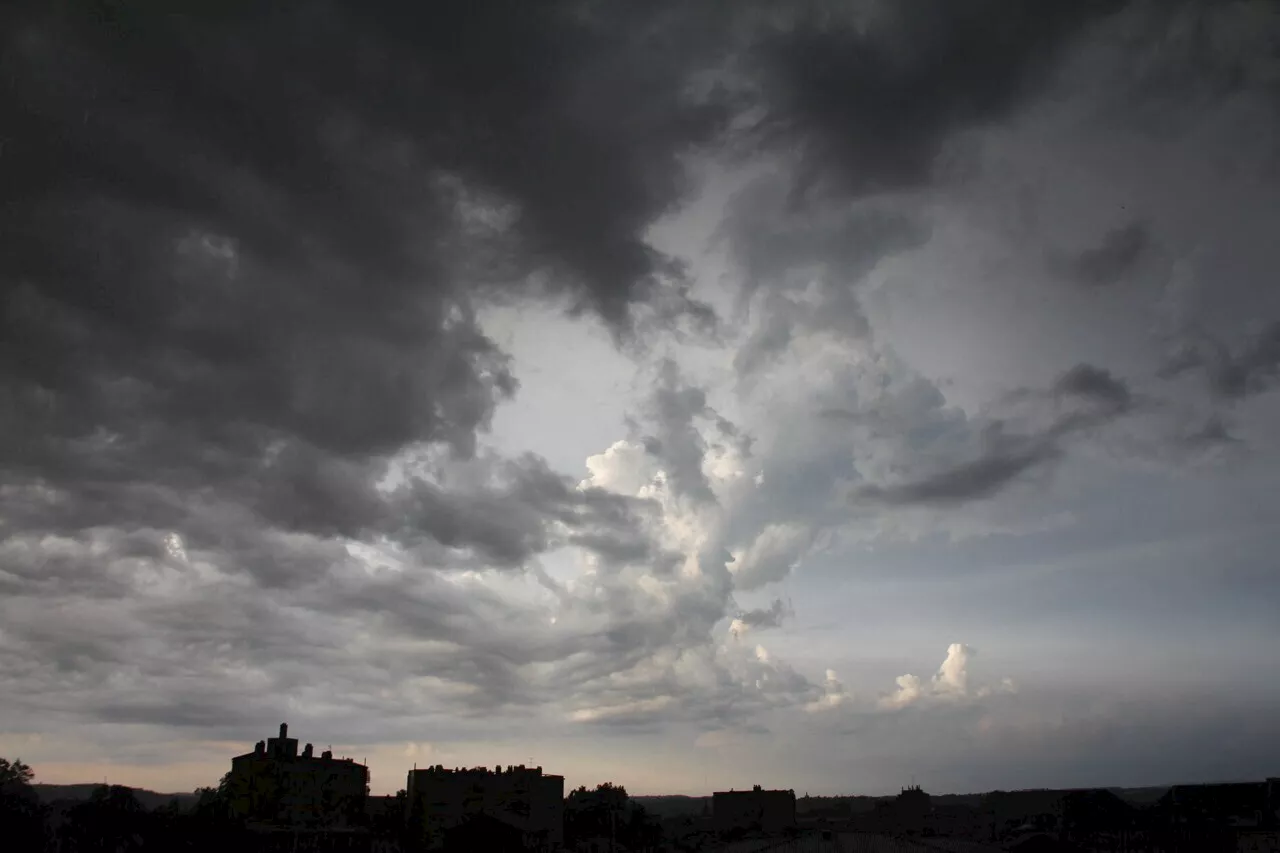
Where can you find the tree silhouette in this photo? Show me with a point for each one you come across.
(607, 812)
(15, 773)
(116, 799)
(21, 815)
(111, 819)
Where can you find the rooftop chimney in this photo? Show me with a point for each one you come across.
(306, 751)
(284, 731)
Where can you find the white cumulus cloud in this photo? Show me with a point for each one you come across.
(950, 683)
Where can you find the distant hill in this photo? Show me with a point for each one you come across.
(673, 806)
(149, 799)
(681, 806)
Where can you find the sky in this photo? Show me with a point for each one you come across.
(825, 395)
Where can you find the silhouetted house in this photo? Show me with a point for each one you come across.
(277, 786)
(1230, 816)
(521, 797)
(1098, 818)
(755, 810)
(1238, 804)
(911, 809)
(1016, 813)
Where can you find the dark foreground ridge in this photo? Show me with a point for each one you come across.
(276, 797)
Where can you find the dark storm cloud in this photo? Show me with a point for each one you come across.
(244, 251)
(517, 510)
(764, 617)
(215, 646)
(871, 91)
(244, 248)
(1105, 264)
(96, 565)
(869, 94)
(1006, 457)
(241, 228)
(1005, 460)
(240, 237)
(247, 254)
(461, 635)
(318, 115)
(771, 239)
(1094, 384)
(508, 522)
(88, 661)
(836, 312)
(200, 712)
(1248, 368)
(618, 550)
(805, 267)
(1213, 432)
(670, 413)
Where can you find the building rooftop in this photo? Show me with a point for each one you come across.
(285, 748)
(440, 769)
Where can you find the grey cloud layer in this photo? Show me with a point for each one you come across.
(231, 251)
(246, 249)
(1005, 456)
(1250, 367)
(240, 365)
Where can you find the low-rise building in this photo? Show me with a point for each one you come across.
(755, 810)
(278, 786)
(1246, 805)
(911, 810)
(441, 800)
(1224, 816)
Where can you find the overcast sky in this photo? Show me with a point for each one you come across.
(822, 395)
